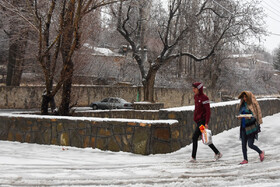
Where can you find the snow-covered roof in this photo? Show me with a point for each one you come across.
(101, 51)
(264, 62)
(241, 55)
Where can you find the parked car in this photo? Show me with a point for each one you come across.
(111, 103)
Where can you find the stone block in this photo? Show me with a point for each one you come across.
(92, 142)
(28, 138)
(19, 137)
(76, 139)
(104, 132)
(101, 143)
(64, 139)
(161, 147)
(86, 141)
(82, 132)
(4, 128)
(10, 136)
(129, 130)
(172, 115)
(124, 140)
(162, 133)
(94, 131)
(175, 134)
(59, 127)
(54, 141)
(140, 140)
(47, 136)
(38, 138)
(81, 125)
(35, 127)
(113, 145)
(118, 139)
(118, 129)
(175, 145)
(147, 106)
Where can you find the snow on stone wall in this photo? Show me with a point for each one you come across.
(171, 132)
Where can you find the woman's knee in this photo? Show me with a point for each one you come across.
(251, 144)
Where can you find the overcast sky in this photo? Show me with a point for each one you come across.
(272, 9)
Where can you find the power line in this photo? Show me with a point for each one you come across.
(273, 10)
(275, 34)
(271, 33)
(276, 4)
(273, 18)
(222, 7)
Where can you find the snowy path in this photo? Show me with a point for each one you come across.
(24, 164)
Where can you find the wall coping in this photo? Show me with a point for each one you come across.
(34, 116)
(212, 105)
(115, 110)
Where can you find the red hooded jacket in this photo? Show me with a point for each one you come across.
(202, 105)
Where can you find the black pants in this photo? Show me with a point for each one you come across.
(250, 140)
(195, 137)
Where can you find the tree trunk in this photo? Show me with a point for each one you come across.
(66, 90)
(15, 64)
(18, 36)
(46, 100)
(11, 64)
(149, 85)
(180, 67)
(45, 104)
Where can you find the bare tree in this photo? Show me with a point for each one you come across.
(58, 27)
(234, 23)
(66, 41)
(18, 34)
(213, 26)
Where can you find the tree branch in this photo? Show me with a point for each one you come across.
(171, 57)
(13, 9)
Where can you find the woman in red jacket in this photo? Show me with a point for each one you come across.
(201, 117)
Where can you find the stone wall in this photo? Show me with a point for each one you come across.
(172, 132)
(120, 113)
(24, 97)
(136, 136)
(223, 116)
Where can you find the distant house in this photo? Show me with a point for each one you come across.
(250, 61)
(99, 66)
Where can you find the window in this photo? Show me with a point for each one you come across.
(105, 100)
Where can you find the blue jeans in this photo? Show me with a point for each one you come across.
(250, 140)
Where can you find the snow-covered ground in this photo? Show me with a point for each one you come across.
(23, 164)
